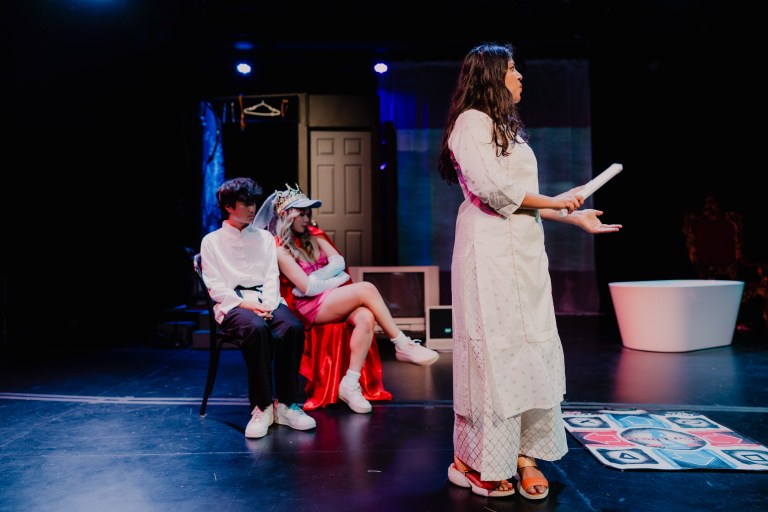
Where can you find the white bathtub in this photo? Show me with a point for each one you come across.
(676, 315)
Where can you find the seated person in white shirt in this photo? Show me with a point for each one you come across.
(239, 264)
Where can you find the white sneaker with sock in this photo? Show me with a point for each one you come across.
(294, 416)
(410, 351)
(350, 392)
(260, 422)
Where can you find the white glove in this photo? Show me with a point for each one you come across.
(334, 267)
(316, 286)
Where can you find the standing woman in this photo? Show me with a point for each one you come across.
(508, 369)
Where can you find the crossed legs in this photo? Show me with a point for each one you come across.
(343, 301)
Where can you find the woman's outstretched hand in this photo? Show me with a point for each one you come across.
(588, 221)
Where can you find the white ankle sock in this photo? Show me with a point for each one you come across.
(352, 376)
(401, 339)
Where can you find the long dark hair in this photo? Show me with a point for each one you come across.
(480, 86)
(293, 242)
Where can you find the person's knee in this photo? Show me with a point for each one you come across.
(367, 317)
(295, 327)
(288, 321)
(364, 320)
(256, 329)
(369, 289)
(252, 334)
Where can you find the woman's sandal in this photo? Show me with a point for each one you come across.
(532, 481)
(460, 474)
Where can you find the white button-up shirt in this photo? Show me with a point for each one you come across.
(247, 258)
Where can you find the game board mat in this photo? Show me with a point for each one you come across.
(669, 440)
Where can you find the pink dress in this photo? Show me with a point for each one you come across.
(307, 307)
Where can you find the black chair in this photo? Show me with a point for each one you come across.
(217, 337)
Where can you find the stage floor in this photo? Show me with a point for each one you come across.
(118, 429)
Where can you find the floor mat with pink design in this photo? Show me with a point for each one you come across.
(635, 439)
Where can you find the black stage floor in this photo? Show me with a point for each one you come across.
(117, 429)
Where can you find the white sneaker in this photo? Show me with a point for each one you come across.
(416, 353)
(294, 416)
(353, 396)
(260, 422)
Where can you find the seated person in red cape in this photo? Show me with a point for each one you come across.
(324, 294)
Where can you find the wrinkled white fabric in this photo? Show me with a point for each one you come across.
(335, 266)
(509, 310)
(317, 286)
(233, 257)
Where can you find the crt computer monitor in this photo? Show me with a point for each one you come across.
(408, 291)
(440, 328)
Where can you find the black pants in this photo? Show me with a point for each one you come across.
(281, 339)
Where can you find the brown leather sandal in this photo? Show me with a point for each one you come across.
(524, 461)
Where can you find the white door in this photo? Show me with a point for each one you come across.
(340, 176)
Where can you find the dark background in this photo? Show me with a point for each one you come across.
(101, 178)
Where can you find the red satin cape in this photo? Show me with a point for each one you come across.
(326, 356)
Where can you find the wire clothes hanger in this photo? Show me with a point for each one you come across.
(263, 109)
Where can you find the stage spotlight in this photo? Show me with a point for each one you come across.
(380, 68)
(243, 45)
(244, 68)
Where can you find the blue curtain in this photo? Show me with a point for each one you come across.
(213, 168)
(415, 97)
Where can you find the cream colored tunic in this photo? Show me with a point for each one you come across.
(509, 310)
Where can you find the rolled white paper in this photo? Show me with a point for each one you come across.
(595, 183)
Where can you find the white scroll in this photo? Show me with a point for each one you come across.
(595, 183)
